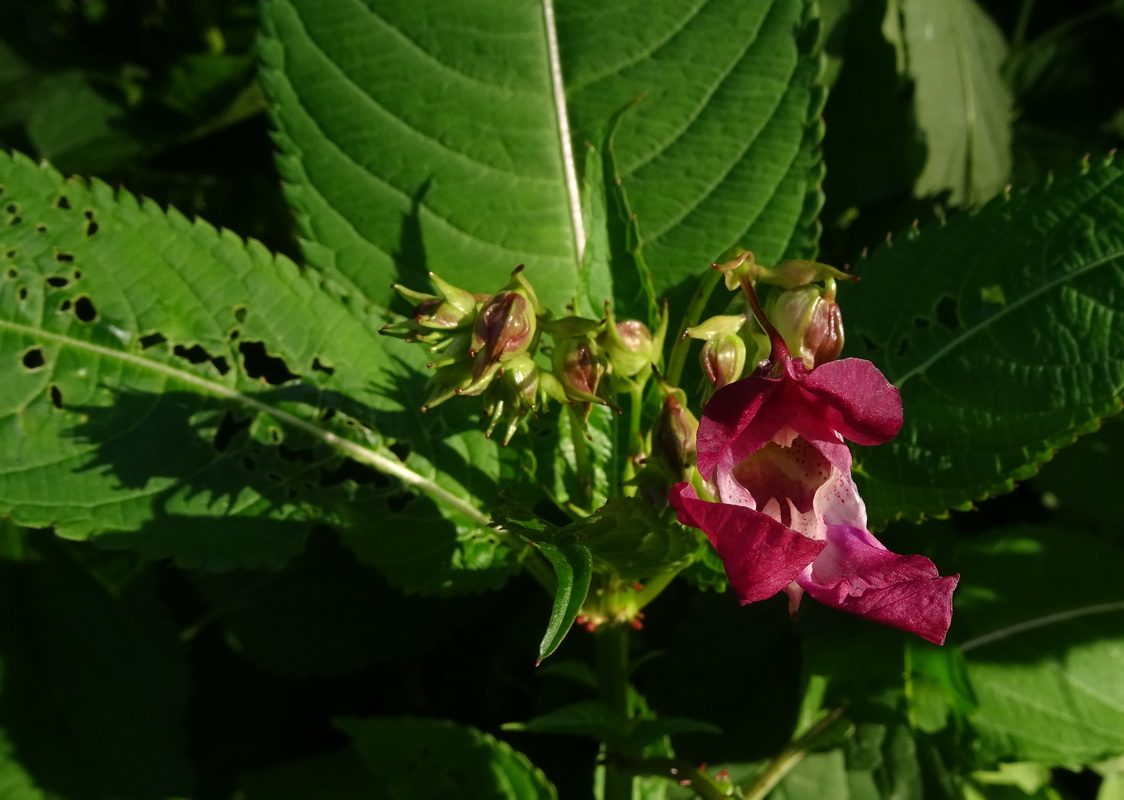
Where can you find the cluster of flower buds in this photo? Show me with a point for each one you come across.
(802, 307)
(487, 344)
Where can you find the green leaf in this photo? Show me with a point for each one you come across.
(723, 151)
(94, 682)
(169, 387)
(573, 569)
(428, 758)
(590, 718)
(628, 537)
(1039, 615)
(1000, 329)
(954, 52)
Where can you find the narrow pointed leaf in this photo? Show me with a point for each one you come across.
(573, 567)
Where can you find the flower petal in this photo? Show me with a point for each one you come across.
(727, 416)
(761, 556)
(858, 400)
(857, 574)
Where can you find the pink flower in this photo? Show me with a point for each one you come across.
(789, 517)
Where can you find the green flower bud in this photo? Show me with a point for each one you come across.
(630, 345)
(809, 320)
(723, 359)
(579, 365)
(512, 395)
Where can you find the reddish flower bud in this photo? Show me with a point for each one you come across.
(810, 321)
(723, 359)
(579, 365)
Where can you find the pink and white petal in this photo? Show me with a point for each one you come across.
(838, 503)
(857, 574)
(731, 423)
(858, 400)
(761, 556)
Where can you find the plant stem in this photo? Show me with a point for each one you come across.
(611, 646)
(695, 310)
(1018, 36)
(790, 757)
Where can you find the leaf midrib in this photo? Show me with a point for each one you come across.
(387, 464)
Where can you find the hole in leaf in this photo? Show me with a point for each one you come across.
(57, 281)
(91, 228)
(903, 346)
(319, 367)
(56, 395)
(40, 227)
(240, 313)
(64, 306)
(197, 355)
(947, 312)
(33, 359)
(152, 340)
(10, 253)
(22, 293)
(249, 463)
(234, 334)
(275, 435)
(15, 220)
(88, 213)
(12, 208)
(291, 493)
(260, 364)
(64, 258)
(77, 275)
(328, 414)
(228, 429)
(12, 273)
(84, 309)
(63, 202)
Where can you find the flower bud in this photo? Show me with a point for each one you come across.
(630, 346)
(579, 365)
(512, 395)
(454, 308)
(809, 320)
(723, 359)
(673, 438)
(504, 326)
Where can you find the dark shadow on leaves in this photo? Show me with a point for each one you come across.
(222, 496)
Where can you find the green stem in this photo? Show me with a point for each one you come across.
(611, 647)
(790, 757)
(695, 310)
(1018, 36)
